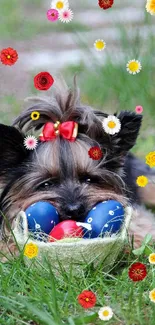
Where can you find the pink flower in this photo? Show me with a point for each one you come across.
(139, 109)
(66, 16)
(30, 142)
(52, 14)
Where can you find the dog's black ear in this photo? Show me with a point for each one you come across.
(130, 126)
(12, 151)
(117, 146)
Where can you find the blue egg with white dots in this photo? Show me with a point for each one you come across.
(42, 217)
(106, 216)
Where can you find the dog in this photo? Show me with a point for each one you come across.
(61, 171)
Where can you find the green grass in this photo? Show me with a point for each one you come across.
(36, 293)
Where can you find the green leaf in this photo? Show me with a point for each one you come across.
(30, 309)
(147, 239)
(85, 319)
(148, 250)
(139, 251)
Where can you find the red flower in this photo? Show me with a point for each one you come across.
(87, 299)
(43, 81)
(137, 272)
(8, 56)
(105, 4)
(95, 153)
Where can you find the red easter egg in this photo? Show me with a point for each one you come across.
(64, 229)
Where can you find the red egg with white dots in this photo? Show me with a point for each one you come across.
(66, 229)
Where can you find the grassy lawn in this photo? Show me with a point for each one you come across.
(36, 294)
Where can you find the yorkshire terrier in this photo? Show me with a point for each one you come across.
(61, 171)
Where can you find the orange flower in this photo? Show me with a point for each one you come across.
(137, 272)
(87, 299)
(95, 153)
(8, 56)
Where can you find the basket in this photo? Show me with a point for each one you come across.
(76, 253)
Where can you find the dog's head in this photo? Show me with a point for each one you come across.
(61, 171)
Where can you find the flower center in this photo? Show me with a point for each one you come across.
(133, 66)
(43, 81)
(152, 6)
(138, 272)
(152, 258)
(111, 124)
(31, 142)
(8, 56)
(87, 299)
(95, 153)
(105, 313)
(53, 14)
(107, 2)
(153, 294)
(100, 45)
(59, 5)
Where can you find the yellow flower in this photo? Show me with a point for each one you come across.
(133, 66)
(152, 258)
(152, 295)
(99, 45)
(150, 7)
(142, 181)
(31, 250)
(150, 159)
(35, 116)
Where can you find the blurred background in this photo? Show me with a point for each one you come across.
(66, 49)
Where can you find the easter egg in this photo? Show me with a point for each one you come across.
(106, 216)
(64, 229)
(42, 217)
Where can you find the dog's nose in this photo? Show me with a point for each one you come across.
(74, 209)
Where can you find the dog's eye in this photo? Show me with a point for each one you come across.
(45, 185)
(85, 179)
(90, 179)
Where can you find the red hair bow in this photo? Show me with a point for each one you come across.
(68, 130)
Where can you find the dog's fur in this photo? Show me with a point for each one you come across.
(62, 172)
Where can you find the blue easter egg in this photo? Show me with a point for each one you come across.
(42, 217)
(107, 216)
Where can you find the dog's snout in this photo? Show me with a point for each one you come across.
(74, 209)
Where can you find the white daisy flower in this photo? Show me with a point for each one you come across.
(66, 15)
(111, 124)
(30, 142)
(60, 4)
(133, 66)
(105, 313)
(99, 45)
